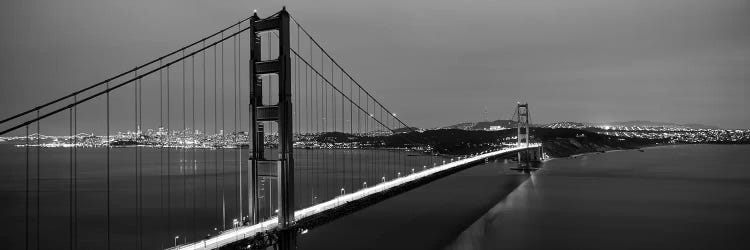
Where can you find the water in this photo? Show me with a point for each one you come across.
(671, 197)
(427, 217)
(688, 196)
(185, 193)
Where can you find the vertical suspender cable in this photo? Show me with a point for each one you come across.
(387, 169)
(366, 117)
(238, 122)
(183, 150)
(318, 119)
(335, 109)
(344, 162)
(234, 113)
(140, 164)
(203, 133)
(387, 137)
(359, 134)
(216, 133)
(319, 129)
(238, 196)
(192, 132)
(135, 161)
(26, 206)
(161, 148)
(223, 138)
(75, 173)
(70, 179)
(38, 180)
(389, 126)
(351, 126)
(295, 108)
(310, 117)
(169, 159)
(343, 127)
(109, 243)
(325, 129)
(299, 118)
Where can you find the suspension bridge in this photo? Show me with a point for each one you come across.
(252, 129)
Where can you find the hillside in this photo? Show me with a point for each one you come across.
(485, 125)
(557, 142)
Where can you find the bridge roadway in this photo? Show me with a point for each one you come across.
(243, 232)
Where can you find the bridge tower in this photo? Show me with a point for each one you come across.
(525, 157)
(522, 123)
(280, 112)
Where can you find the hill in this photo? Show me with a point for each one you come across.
(557, 142)
(485, 125)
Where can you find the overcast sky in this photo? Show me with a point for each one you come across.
(434, 62)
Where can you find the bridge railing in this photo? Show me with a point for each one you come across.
(447, 164)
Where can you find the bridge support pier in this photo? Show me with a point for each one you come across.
(287, 240)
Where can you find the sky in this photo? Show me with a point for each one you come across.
(436, 62)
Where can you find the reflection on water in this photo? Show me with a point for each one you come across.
(673, 197)
(471, 238)
(424, 218)
(186, 194)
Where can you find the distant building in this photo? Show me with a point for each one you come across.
(496, 128)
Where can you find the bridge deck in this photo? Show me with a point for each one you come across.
(243, 232)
